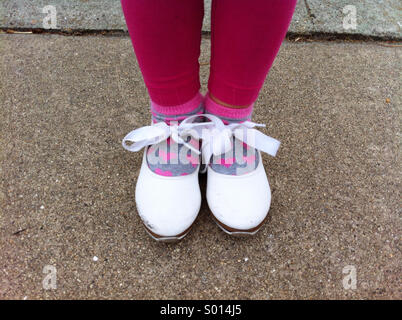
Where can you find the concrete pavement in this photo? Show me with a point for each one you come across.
(373, 17)
(67, 185)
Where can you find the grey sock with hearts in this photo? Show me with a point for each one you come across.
(241, 159)
(163, 158)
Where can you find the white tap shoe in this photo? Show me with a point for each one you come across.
(167, 205)
(238, 203)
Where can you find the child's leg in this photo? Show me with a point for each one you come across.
(246, 36)
(166, 36)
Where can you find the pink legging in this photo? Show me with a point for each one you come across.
(245, 39)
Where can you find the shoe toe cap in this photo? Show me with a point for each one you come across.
(168, 206)
(240, 203)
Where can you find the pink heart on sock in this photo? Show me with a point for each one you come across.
(161, 172)
(226, 162)
(249, 159)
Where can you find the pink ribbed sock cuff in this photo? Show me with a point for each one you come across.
(184, 108)
(227, 114)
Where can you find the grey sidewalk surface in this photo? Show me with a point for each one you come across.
(380, 18)
(67, 185)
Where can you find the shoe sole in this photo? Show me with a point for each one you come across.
(169, 239)
(238, 232)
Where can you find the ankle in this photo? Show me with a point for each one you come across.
(227, 114)
(177, 112)
(218, 101)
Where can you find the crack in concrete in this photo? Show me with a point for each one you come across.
(290, 36)
(309, 12)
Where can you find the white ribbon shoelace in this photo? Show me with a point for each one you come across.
(216, 137)
(158, 132)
